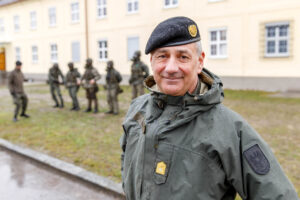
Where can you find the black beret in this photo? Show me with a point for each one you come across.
(172, 32)
(18, 63)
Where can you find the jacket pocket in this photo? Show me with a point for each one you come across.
(163, 161)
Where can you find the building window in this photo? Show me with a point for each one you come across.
(75, 51)
(33, 20)
(52, 16)
(218, 43)
(34, 52)
(101, 8)
(75, 12)
(171, 3)
(102, 44)
(132, 6)
(16, 23)
(132, 46)
(18, 53)
(53, 53)
(277, 39)
(2, 27)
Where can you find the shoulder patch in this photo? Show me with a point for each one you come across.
(257, 160)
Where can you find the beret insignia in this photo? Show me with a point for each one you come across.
(193, 30)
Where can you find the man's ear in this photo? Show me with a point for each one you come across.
(201, 62)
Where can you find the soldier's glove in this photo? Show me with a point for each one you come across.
(13, 94)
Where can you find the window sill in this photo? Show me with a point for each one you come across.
(102, 17)
(172, 6)
(217, 57)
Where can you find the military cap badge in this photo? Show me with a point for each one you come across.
(193, 30)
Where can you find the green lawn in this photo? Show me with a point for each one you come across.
(92, 140)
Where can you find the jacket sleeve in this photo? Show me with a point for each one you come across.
(119, 77)
(11, 82)
(146, 70)
(252, 168)
(96, 75)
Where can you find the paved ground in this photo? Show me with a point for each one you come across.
(24, 179)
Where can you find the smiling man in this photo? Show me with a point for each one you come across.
(181, 143)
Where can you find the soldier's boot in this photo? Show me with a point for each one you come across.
(24, 115)
(61, 102)
(96, 106)
(89, 109)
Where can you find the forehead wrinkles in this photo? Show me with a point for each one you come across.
(189, 48)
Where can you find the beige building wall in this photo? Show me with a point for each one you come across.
(244, 21)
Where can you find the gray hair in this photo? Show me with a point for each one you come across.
(199, 48)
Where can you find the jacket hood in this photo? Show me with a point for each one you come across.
(213, 95)
(189, 105)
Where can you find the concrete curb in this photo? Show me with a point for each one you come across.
(65, 167)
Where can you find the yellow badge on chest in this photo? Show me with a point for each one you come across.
(193, 30)
(161, 168)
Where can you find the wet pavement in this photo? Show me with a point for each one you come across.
(24, 179)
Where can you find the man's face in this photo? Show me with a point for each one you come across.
(19, 67)
(176, 68)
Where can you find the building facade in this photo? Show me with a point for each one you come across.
(250, 44)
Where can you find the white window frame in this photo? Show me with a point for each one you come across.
(171, 4)
(75, 15)
(133, 4)
(218, 42)
(2, 26)
(52, 16)
(102, 51)
(18, 53)
(101, 6)
(34, 54)
(73, 51)
(277, 38)
(53, 53)
(129, 56)
(17, 23)
(33, 20)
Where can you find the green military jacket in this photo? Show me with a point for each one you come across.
(54, 74)
(113, 78)
(15, 82)
(89, 74)
(193, 147)
(71, 77)
(139, 71)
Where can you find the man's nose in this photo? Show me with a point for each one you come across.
(171, 65)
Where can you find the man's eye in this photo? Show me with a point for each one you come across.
(184, 57)
(161, 56)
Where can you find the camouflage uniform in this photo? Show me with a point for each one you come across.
(72, 85)
(139, 71)
(53, 78)
(91, 89)
(15, 85)
(113, 78)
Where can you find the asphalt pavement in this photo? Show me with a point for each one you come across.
(22, 178)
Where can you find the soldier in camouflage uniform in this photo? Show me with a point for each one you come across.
(139, 71)
(72, 83)
(89, 83)
(15, 85)
(113, 78)
(53, 78)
